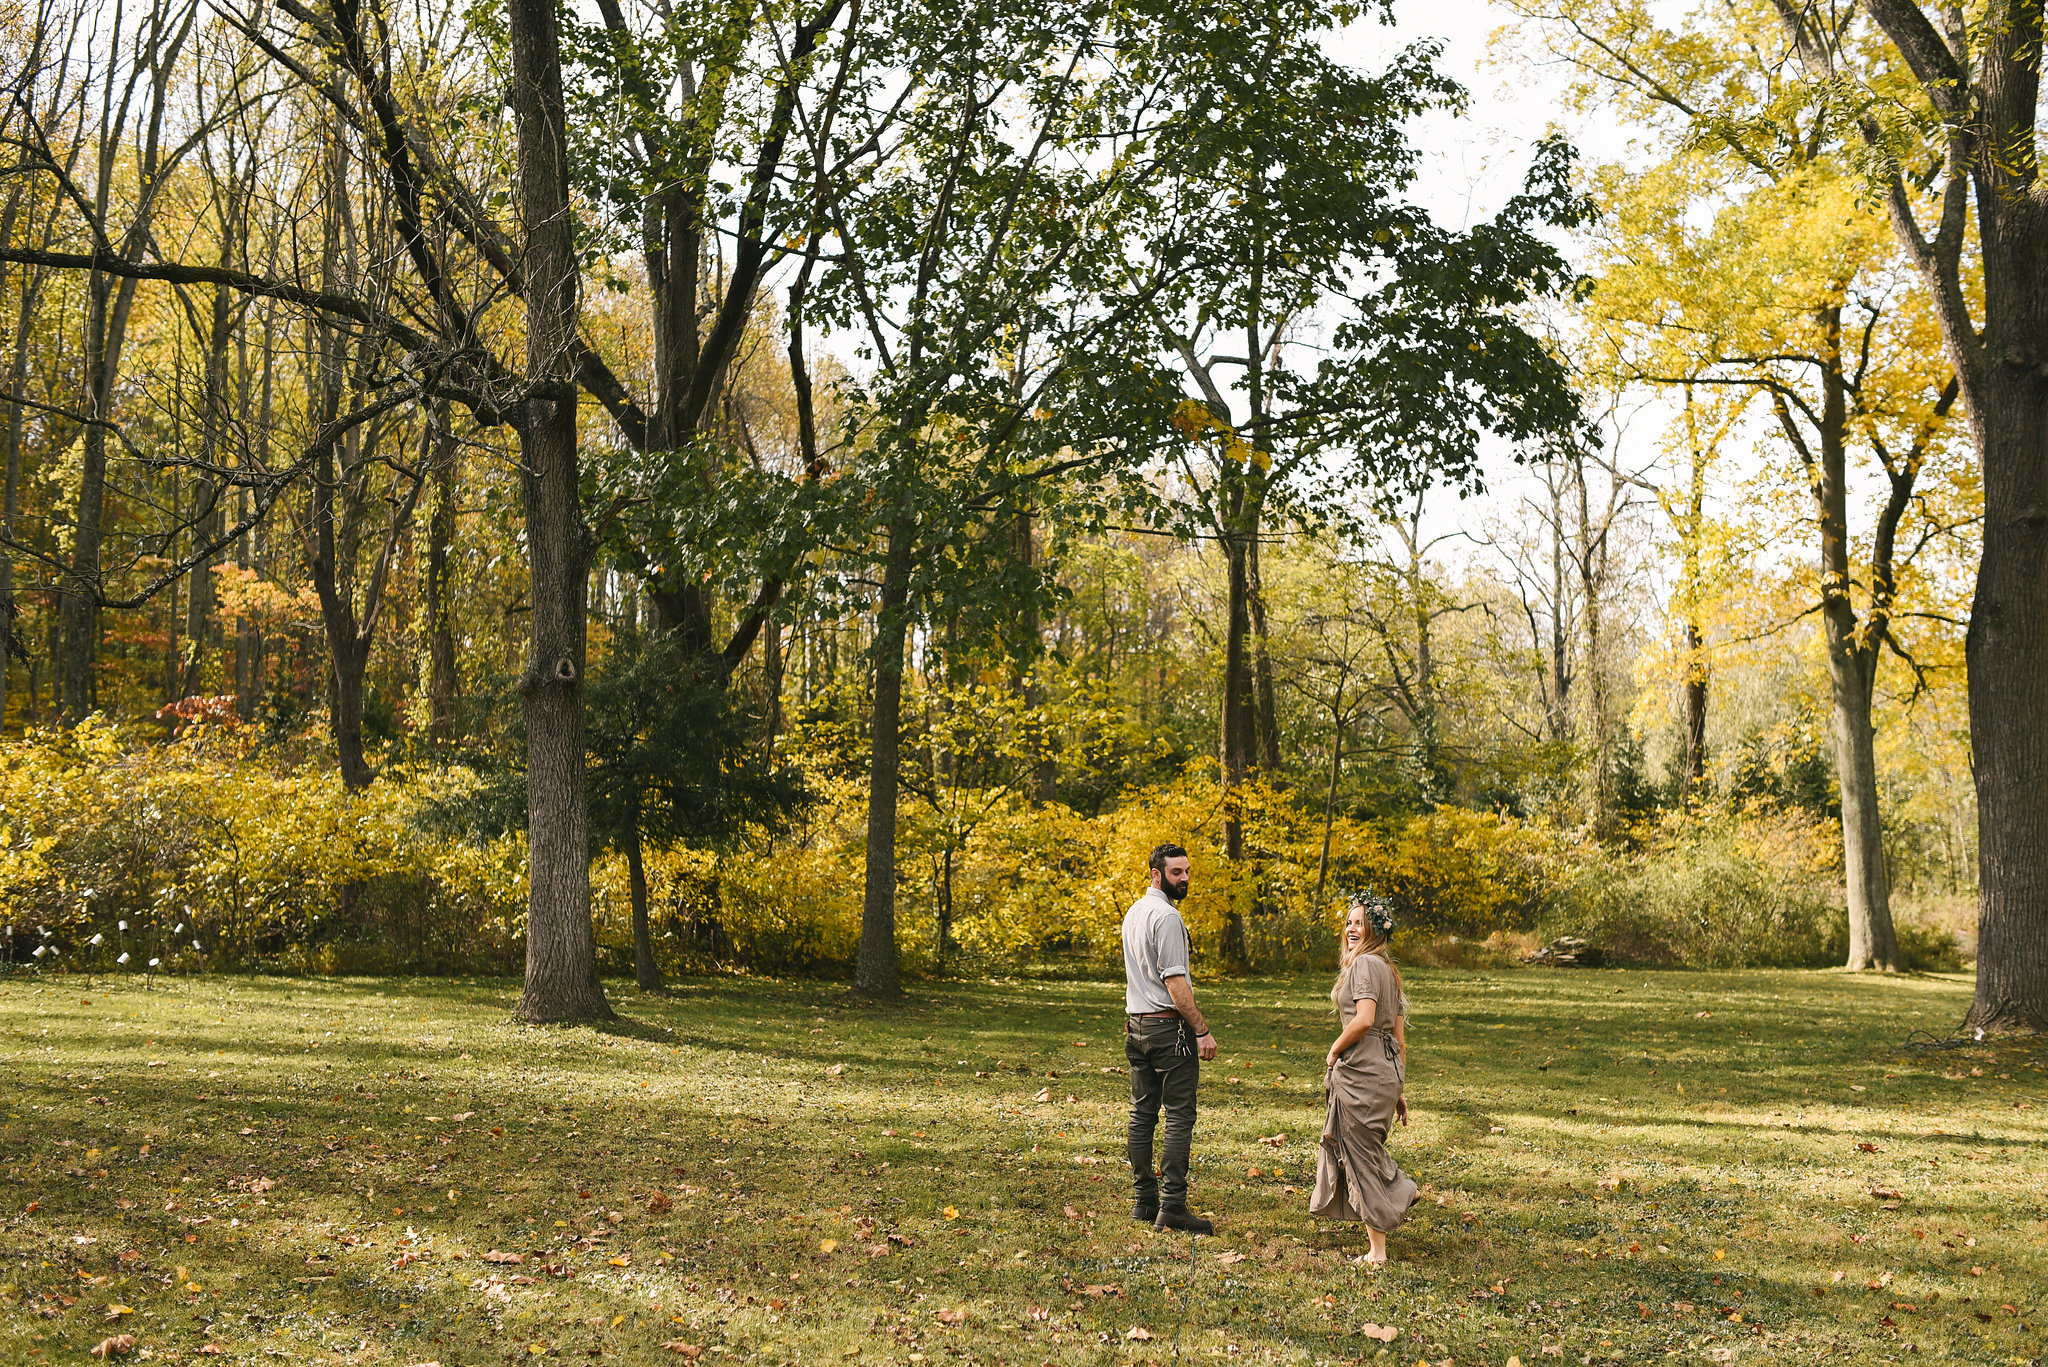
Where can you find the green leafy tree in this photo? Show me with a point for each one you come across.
(674, 759)
(1339, 345)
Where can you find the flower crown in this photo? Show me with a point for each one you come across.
(1379, 911)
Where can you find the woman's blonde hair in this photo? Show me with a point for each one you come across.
(1372, 943)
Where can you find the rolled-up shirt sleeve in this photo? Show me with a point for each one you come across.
(1170, 947)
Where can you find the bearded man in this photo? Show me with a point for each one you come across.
(1166, 1041)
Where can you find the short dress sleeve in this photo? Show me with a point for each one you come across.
(1364, 985)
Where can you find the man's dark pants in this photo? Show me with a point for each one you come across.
(1164, 1070)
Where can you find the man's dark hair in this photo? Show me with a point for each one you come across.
(1162, 853)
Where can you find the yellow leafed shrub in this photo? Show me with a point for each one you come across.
(276, 865)
(254, 863)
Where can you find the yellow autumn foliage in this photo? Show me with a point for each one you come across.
(275, 865)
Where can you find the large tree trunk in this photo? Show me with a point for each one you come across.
(2007, 654)
(2007, 649)
(351, 658)
(210, 520)
(1851, 674)
(1266, 712)
(1993, 134)
(1697, 680)
(561, 948)
(875, 974)
(81, 609)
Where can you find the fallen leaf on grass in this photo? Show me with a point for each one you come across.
(466, 1115)
(1070, 1212)
(1231, 1257)
(113, 1347)
(692, 1351)
(212, 1350)
(953, 1316)
(1886, 1193)
(1138, 1332)
(494, 1256)
(835, 1070)
(660, 1204)
(952, 1213)
(1044, 1094)
(1384, 1333)
(115, 1312)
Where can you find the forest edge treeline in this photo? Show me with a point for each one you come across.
(1038, 228)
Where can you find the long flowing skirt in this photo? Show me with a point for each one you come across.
(1356, 1178)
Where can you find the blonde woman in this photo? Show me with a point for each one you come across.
(1356, 1179)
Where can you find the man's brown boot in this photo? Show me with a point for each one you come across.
(1176, 1215)
(1145, 1208)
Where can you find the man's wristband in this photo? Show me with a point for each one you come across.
(1203, 1034)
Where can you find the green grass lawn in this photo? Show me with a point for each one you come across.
(1618, 1166)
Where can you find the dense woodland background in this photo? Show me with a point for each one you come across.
(998, 438)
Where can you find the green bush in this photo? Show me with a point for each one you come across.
(1925, 948)
(1716, 891)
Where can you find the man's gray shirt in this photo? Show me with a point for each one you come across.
(1155, 949)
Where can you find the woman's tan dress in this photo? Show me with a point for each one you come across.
(1355, 1177)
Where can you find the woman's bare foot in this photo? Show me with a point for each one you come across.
(1376, 1255)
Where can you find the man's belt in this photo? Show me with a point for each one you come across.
(1154, 1015)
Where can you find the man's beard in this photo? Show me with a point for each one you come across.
(1174, 891)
